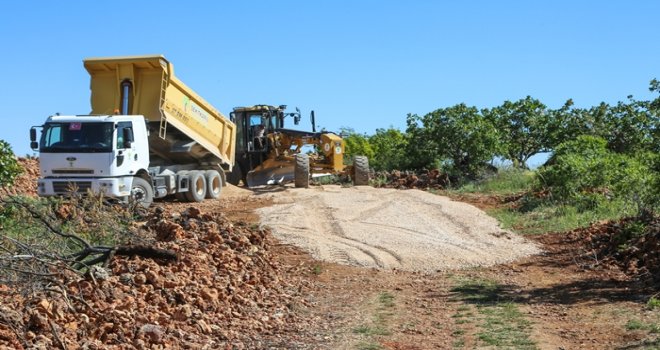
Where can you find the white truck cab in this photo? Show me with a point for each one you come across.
(101, 153)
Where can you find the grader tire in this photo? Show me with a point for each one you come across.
(361, 168)
(301, 172)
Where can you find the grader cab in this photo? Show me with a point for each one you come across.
(268, 154)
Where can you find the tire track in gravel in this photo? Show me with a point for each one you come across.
(386, 229)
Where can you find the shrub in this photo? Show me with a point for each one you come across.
(586, 173)
(9, 167)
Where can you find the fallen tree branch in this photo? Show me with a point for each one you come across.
(146, 252)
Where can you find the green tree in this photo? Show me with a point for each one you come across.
(9, 167)
(420, 150)
(355, 145)
(654, 108)
(654, 86)
(389, 146)
(461, 137)
(631, 126)
(523, 129)
(628, 127)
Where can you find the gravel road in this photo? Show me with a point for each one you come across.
(407, 230)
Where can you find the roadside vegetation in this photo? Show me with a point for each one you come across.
(495, 320)
(604, 161)
(379, 325)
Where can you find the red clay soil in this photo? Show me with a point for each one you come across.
(235, 287)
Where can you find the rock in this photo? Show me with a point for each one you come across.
(152, 333)
(99, 273)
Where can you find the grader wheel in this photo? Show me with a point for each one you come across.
(301, 172)
(361, 169)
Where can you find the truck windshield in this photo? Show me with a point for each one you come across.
(76, 137)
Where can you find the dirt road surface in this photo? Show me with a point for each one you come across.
(390, 229)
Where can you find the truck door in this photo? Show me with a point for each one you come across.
(126, 156)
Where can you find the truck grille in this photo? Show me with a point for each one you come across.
(63, 187)
(73, 171)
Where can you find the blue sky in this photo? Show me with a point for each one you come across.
(358, 64)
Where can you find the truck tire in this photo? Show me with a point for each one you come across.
(197, 187)
(361, 171)
(181, 196)
(141, 192)
(213, 184)
(301, 171)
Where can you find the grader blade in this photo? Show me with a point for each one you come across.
(270, 176)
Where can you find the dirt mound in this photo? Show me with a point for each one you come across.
(390, 229)
(26, 183)
(225, 290)
(628, 243)
(422, 180)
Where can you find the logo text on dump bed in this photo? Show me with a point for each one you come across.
(195, 110)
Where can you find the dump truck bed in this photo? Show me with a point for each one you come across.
(184, 128)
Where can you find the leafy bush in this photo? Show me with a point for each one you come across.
(9, 167)
(586, 173)
(355, 145)
(389, 146)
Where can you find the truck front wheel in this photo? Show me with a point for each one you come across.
(142, 192)
(197, 189)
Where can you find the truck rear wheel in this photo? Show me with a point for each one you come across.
(197, 189)
(301, 171)
(142, 192)
(361, 171)
(213, 184)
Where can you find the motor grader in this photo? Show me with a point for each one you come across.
(268, 154)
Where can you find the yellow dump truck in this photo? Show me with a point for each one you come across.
(148, 136)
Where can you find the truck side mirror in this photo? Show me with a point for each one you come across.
(33, 139)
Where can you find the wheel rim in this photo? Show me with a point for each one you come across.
(199, 186)
(138, 194)
(215, 185)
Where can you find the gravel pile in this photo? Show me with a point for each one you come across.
(407, 230)
(224, 291)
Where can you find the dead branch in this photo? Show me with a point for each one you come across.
(48, 224)
(146, 252)
(56, 334)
